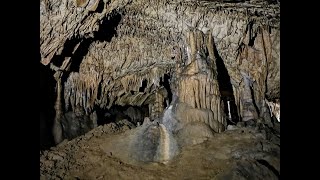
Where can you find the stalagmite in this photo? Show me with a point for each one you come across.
(195, 76)
(57, 126)
(164, 144)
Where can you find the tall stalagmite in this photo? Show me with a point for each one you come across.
(197, 84)
(57, 126)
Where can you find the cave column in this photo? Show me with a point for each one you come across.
(247, 106)
(57, 127)
(157, 107)
(198, 85)
(251, 76)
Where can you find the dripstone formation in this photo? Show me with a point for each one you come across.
(146, 56)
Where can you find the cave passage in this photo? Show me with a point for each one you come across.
(117, 113)
(226, 90)
(143, 86)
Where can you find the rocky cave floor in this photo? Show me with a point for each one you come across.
(246, 151)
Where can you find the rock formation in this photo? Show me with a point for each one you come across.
(150, 52)
(151, 142)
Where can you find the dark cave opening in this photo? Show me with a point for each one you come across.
(226, 91)
(165, 82)
(100, 7)
(143, 86)
(134, 114)
(47, 101)
(108, 28)
(252, 36)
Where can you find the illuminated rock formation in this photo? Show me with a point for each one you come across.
(146, 52)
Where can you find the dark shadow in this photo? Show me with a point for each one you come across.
(47, 112)
(99, 91)
(270, 167)
(108, 28)
(252, 37)
(226, 90)
(68, 48)
(165, 82)
(79, 54)
(100, 7)
(143, 86)
(116, 113)
(253, 100)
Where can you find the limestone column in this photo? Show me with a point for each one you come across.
(57, 127)
(198, 85)
(156, 109)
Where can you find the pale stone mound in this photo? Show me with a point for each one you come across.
(194, 133)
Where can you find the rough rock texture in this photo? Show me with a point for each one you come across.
(57, 126)
(105, 152)
(274, 108)
(157, 53)
(194, 133)
(77, 123)
(197, 83)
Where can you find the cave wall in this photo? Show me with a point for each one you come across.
(129, 42)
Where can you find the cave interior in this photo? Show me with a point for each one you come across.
(170, 74)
